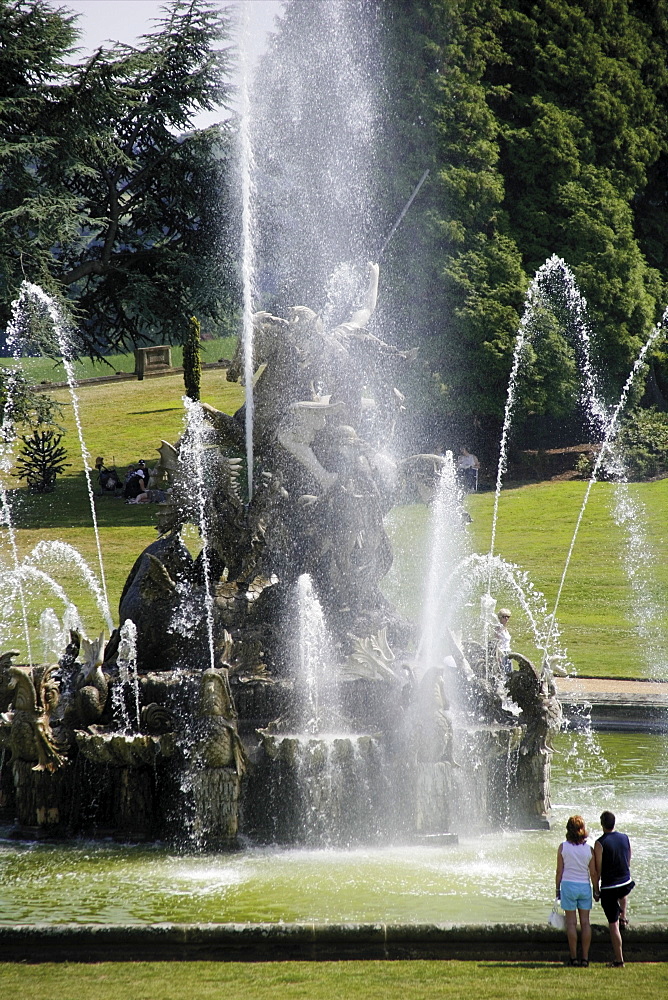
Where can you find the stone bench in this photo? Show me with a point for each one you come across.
(152, 359)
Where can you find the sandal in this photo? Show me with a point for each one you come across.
(573, 963)
(615, 965)
(584, 964)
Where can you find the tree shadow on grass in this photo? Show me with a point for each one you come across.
(69, 507)
(509, 964)
(165, 409)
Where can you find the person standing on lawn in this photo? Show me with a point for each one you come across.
(613, 882)
(575, 876)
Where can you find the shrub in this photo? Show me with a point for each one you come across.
(41, 460)
(644, 443)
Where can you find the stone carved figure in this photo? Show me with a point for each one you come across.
(92, 686)
(372, 659)
(322, 488)
(541, 710)
(5, 690)
(153, 597)
(217, 742)
(432, 721)
(35, 696)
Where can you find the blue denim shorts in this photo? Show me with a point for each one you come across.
(576, 895)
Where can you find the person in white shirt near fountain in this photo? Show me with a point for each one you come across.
(468, 466)
(502, 636)
(575, 875)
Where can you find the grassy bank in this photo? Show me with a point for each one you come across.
(418, 980)
(126, 421)
(122, 421)
(51, 370)
(614, 575)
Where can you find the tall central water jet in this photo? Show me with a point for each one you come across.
(248, 267)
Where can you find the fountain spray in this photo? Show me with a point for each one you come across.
(606, 448)
(247, 243)
(38, 295)
(6, 440)
(196, 425)
(402, 213)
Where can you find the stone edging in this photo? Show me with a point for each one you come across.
(313, 942)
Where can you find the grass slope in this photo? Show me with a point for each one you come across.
(616, 574)
(51, 370)
(126, 421)
(122, 421)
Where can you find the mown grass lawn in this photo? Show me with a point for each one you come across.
(52, 370)
(599, 599)
(125, 421)
(417, 980)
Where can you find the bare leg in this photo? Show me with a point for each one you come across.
(585, 928)
(572, 932)
(623, 903)
(616, 939)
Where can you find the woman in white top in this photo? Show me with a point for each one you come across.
(576, 872)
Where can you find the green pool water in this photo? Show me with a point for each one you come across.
(506, 876)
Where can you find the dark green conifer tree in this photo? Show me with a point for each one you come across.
(42, 459)
(192, 360)
(109, 198)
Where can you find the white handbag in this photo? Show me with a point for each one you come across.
(557, 917)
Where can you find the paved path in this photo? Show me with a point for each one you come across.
(615, 704)
(624, 689)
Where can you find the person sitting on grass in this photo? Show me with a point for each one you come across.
(136, 485)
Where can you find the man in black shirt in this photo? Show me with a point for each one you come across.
(612, 857)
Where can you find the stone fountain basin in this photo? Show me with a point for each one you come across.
(123, 750)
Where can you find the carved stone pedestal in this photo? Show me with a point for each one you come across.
(134, 807)
(41, 799)
(214, 805)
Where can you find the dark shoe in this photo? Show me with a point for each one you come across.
(615, 965)
(623, 923)
(573, 962)
(584, 964)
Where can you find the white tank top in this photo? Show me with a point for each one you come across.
(576, 861)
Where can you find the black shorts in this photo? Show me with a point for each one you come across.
(610, 900)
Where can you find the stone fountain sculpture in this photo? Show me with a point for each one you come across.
(215, 688)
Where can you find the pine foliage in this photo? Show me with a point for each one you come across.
(42, 459)
(108, 195)
(548, 133)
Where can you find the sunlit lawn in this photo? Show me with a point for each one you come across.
(536, 525)
(418, 980)
(125, 421)
(599, 599)
(52, 370)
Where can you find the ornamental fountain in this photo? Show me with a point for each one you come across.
(265, 687)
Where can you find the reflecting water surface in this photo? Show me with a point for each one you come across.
(496, 877)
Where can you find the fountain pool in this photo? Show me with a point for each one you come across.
(497, 878)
